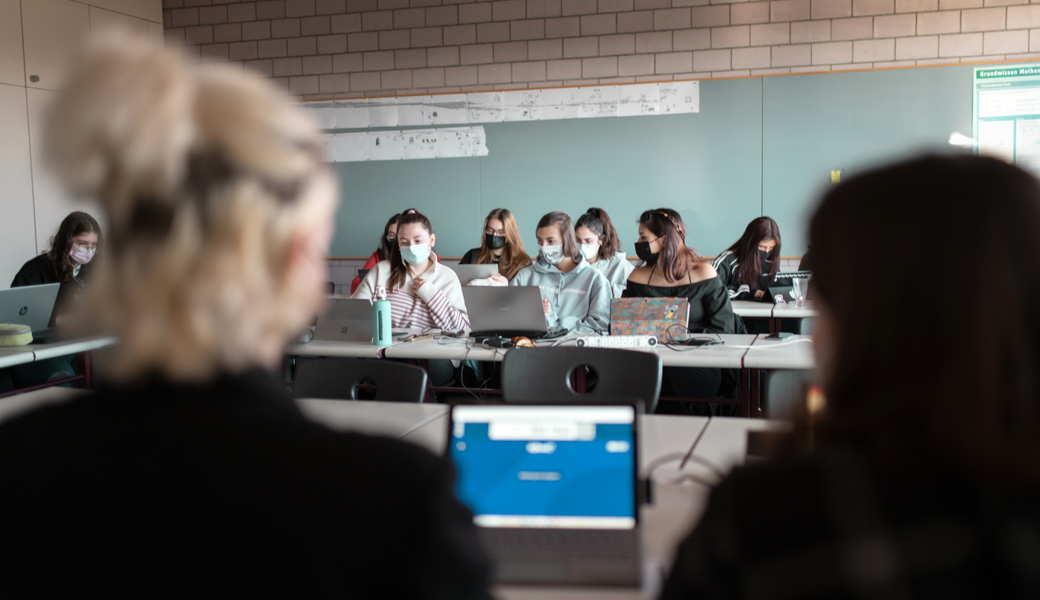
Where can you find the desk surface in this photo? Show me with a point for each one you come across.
(19, 355)
(793, 353)
(765, 310)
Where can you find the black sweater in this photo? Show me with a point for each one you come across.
(224, 490)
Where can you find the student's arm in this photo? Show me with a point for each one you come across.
(598, 318)
(718, 309)
(446, 305)
(726, 265)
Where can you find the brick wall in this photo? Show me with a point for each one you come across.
(352, 48)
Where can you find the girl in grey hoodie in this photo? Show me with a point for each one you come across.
(575, 296)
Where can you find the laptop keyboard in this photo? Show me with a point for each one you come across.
(539, 545)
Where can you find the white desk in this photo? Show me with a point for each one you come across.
(791, 311)
(725, 356)
(421, 424)
(335, 349)
(754, 310)
(781, 354)
(19, 355)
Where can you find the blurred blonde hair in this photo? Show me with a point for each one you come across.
(207, 175)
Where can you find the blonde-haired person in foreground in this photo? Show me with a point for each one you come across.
(192, 472)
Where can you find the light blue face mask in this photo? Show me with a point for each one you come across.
(416, 254)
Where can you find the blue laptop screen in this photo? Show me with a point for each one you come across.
(546, 466)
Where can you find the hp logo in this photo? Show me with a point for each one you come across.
(24, 310)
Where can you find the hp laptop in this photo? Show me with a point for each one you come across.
(468, 273)
(30, 305)
(552, 489)
(345, 320)
(505, 312)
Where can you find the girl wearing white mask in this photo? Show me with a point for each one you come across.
(601, 246)
(575, 296)
(67, 262)
(423, 293)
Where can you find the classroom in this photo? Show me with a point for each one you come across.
(520, 299)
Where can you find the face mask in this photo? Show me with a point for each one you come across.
(416, 254)
(551, 254)
(494, 242)
(590, 251)
(644, 253)
(763, 255)
(82, 255)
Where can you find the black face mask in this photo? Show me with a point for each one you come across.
(494, 242)
(644, 253)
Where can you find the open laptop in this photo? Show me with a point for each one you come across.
(505, 312)
(782, 288)
(30, 305)
(345, 320)
(665, 318)
(553, 490)
(468, 273)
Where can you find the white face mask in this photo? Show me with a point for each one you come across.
(590, 251)
(416, 254)
(551, 254)
(82, 255)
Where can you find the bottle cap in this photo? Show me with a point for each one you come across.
(380, 292)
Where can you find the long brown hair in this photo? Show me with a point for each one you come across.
(58, 258)
(745, 249)
(514, 256)
(561, 221)
(676, 259)
(598, 221)
(398, 268)
(979, 344)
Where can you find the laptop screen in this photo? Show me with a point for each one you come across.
(546, 466)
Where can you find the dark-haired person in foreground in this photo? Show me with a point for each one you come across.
(192, 472)
(924, 480)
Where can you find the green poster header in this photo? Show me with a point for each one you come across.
(1024, 71)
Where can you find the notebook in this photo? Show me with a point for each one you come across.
(553, 490)
(650, 316)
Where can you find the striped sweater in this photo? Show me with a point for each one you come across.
(438, 304)
(727, 268)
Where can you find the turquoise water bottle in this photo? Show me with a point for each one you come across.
(381, 325)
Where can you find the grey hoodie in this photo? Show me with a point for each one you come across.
(580, 300)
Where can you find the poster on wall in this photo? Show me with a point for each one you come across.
(1006, 111)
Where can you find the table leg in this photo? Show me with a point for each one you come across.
(756, 394)
(425, 365)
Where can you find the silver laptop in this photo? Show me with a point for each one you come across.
(468, 273)
(553, 490)
(30, 305)
(505, 311)
(345, 320)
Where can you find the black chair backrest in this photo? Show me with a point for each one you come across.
(532, 375)
(339, 378)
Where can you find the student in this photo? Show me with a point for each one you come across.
(750, 264)
(916, 487)
(575, 296)
(382, 251)
(501, 245)
(67, 262)
(670, 269)
(423, 293)
(601, 246)
(192, 469)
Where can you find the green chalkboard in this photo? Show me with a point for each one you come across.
(757, 146)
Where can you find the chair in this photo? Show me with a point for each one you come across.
(533, 375)
(339, 378)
